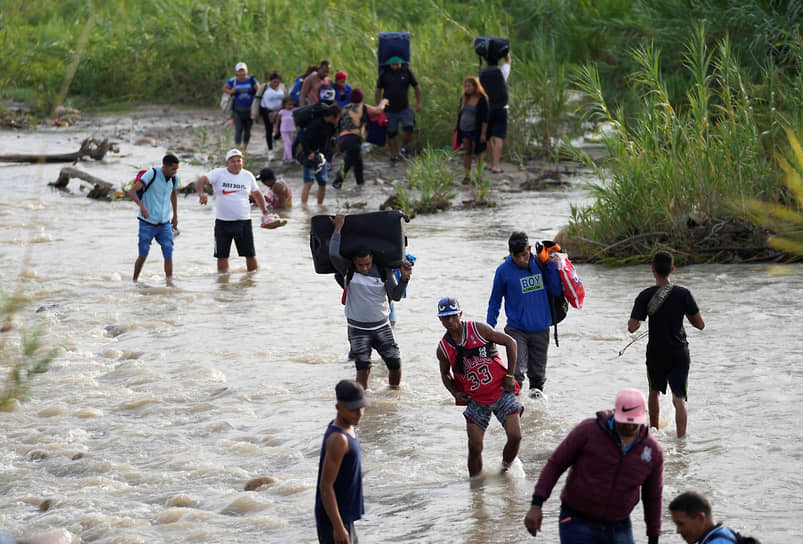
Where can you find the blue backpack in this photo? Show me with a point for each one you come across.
(295, 90)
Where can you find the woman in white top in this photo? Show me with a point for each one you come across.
(271, 103)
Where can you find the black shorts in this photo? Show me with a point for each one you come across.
(239, 231)
(497, 123)
(669, 367)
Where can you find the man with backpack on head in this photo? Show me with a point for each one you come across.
(394, 83)
(494, 80)
(691, 513)
(369, 289)
(155, 192)
(525, 281)
(667, 349)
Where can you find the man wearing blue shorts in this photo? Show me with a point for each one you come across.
(159, 197)
(473, 372)
(315, 143)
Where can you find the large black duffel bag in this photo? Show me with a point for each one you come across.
(491, 47)
(381, 232)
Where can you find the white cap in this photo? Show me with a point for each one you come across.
(233, 153)
(240, 66)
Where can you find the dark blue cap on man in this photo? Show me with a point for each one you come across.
(351, 394)
(448, 306)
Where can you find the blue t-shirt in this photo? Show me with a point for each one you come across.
(525, 294)
(157, 197)
(719, 535)
(244, 91)
(348, 484)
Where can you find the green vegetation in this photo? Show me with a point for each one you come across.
(698, 115)
(21, 354)
(677, 170)
(431, 177)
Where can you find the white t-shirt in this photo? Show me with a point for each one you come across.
(272, 99)
(231, 193)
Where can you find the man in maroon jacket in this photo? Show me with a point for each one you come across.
(612, 457)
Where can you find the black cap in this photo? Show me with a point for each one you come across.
(351, 394)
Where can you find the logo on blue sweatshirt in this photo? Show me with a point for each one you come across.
(531, 283)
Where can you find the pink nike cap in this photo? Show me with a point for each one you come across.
(630, 407)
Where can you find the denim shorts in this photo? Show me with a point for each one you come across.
(320, 177)
(163, 234)
(405, 118)
(480, 414)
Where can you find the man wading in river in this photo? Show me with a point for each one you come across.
(368, 290)
(473, 372)
(667, 349)
(232, 187)
(160, 195)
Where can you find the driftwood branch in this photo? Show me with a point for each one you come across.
(89, 148)
(100, 189)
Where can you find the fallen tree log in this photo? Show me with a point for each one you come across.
(90, 147)
(100, 189)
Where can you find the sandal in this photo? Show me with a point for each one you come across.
(466, 180)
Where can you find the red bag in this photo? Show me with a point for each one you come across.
(456, 144)
(573, 288)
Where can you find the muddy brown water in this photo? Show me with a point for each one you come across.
(165, 400)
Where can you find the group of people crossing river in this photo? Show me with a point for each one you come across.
(612, 458)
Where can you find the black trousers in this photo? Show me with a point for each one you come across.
(351, 147)
(263, 112)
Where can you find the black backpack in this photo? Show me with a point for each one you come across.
(343, 281)
(304, 115)
(740, 539)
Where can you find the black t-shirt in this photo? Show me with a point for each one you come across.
(666, 326)
(396, 85)
(493, 81)
(316, 136)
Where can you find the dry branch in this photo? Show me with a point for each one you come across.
(89, 148)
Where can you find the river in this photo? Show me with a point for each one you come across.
(164, 400)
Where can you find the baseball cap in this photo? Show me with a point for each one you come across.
(351, 394)
(630, 407)
(448, 306)
(239, 66)
(395, 60)
(265, 173)
(341, 75)
(233, 153)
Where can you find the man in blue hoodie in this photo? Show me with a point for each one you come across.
(523, 281)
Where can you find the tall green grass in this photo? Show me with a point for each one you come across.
(678, 163)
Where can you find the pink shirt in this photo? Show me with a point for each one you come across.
(287, 123)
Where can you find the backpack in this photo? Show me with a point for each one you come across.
(558, 305)
(326, 94)
(491, 47)
(343, 281)
(304, 115)
(740, 539)
(295, 90)
(146, 186)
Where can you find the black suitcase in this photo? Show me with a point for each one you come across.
(491, 47)
(381, 232)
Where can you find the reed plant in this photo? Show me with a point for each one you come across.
(430, 176)
(784, 219)
(676, 163)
